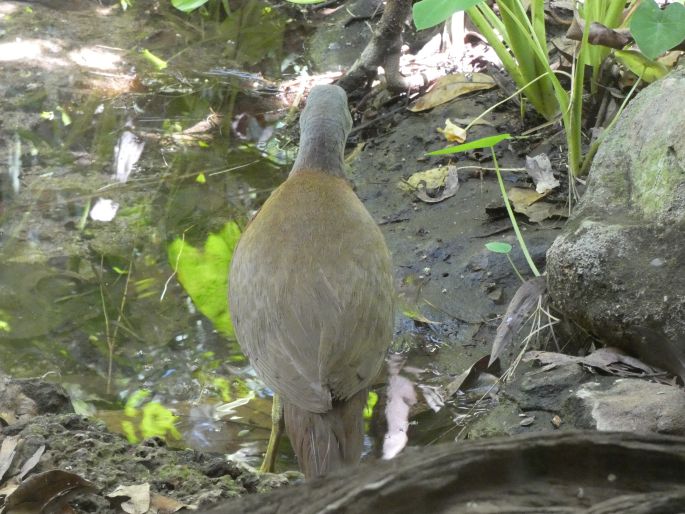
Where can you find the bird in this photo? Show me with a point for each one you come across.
(311, 293)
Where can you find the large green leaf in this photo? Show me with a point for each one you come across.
(484, 142)
(655, 30)
(204, 274)
(428, 13)
(647, 69)
(188, 5)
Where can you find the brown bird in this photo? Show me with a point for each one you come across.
(311, 293)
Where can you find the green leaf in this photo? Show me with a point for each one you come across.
(66, 119)
(204, 274)
(428, 13)
(498, 247)
(655, 30)
(157, 62)
(158, 421)
(371, 402)
(188, 5)
(485, 142)
(645, 68)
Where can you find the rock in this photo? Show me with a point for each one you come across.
(582, 400)
(617, 270)
(22, 399)
(629, 404)
(545, 391)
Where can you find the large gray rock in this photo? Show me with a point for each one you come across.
(630, 404)
(617, 269)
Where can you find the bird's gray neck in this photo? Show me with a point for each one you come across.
(324, 125)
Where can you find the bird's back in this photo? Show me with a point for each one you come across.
(311, 292)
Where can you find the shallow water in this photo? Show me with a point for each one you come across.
(105, 179)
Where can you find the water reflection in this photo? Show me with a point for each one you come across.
(106, 169)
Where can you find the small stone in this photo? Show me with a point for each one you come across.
(526, 422)
(556, 421)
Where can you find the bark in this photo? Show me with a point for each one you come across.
(383, 50)
(571, 472)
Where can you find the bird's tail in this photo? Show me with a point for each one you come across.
(328, 441)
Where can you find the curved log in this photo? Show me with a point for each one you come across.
(572, 472)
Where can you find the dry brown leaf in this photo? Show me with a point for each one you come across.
(138, 498)
(7, 451)
(609, 360)
(433, 185)
(450, 188)
(432, 178)
(9, 487)
(164, 505)
(45, 492)
(525, 201)
(523, 302)
(452, 132)
(450, 87)
(522, 198)
(541, 211)
(468, 377)
(31, 462)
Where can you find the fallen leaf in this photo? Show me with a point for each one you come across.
(46, 492)
(523, 302)
(616, 362)
(9, 487)
(127, 152)
(31, 462)
(450, 87)
(541, 211)
(138, 498)
(609, 360)
(526, 201)
(433, 185)
(468, 377)
(432, 396)
(7, 451)
(450, 189)
(521, 197)
(164, 505)
(540, 170)
(452, 132)
(526, 422)
(640, 65)
(432, 178)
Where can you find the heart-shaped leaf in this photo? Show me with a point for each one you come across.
(655, 30)
(428, 13)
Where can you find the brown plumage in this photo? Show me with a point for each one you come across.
(311, 293)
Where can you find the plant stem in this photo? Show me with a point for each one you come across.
(516, 270)
(519, 236)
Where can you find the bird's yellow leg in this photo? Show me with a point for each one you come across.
(277, 427)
